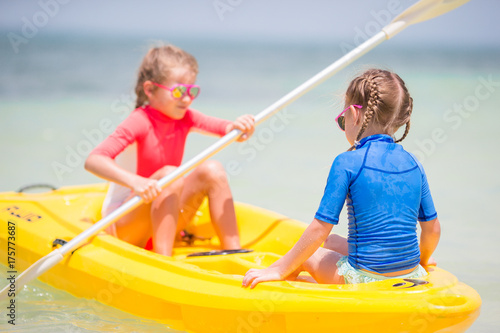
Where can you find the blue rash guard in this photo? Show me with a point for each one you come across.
(386, 192)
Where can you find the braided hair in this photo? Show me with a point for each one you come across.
(157, 66)
(386, 101)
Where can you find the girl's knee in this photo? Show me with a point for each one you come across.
(168, 193)
(176, 186)
(330, 242)
(336, 243)
(212, 171)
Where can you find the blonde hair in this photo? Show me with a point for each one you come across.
(158, 64)
(384, 98)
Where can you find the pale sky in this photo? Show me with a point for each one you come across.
(475, 23)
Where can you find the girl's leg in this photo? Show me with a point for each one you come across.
(209, 179)
(157, 219)
(132, 229)
(164, 213)
(322, 266)
(336, 243)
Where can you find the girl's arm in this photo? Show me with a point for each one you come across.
(212, 125)
(315, 234)
(429, 239)
(105, 167)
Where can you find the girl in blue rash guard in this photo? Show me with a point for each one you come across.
(385, 190)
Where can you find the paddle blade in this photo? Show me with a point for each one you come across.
(421, 11)
(38, 268)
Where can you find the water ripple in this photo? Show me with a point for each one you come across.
(43, 309)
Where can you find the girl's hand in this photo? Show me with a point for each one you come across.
(246, 124)
(148, 189)
(255, 276)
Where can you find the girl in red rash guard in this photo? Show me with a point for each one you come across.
(157, 129)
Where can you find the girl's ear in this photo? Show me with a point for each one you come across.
(357, 116)
(148, 88)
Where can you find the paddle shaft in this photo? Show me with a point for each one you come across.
(422, 10)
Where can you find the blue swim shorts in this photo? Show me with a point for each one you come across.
(352, 275)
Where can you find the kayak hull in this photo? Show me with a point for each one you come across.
(204, 294)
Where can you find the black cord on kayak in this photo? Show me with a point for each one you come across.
(219, 252)
(35, 186)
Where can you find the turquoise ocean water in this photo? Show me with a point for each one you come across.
(56, 93)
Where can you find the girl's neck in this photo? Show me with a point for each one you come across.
(374, 129)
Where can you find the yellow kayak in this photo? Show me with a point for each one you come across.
(203, 293)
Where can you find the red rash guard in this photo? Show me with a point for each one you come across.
(160, 139)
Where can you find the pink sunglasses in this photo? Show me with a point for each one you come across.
(179, 90)
(340, 120)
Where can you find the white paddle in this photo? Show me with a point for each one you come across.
(421, 11)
